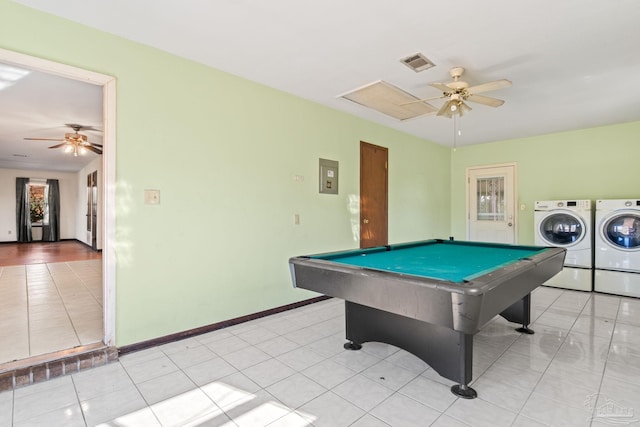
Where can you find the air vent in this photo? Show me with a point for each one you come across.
(417, 62)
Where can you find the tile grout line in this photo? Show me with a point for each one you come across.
(554, 354)
(589, 300)
(85, 289)
(84, 285)
(604, 369)
(240, 371)
(26, 285)
(55, 284)
(75, 388)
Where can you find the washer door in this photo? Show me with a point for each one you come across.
(622, 230)
(562, 228)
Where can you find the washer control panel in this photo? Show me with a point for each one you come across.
(570, 204)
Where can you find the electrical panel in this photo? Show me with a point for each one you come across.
(328, 176)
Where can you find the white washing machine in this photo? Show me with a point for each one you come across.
(617, 247)
(567, 224)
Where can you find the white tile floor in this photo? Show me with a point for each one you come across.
(49, 307)
(581, 368)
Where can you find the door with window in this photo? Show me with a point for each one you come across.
(491, 210)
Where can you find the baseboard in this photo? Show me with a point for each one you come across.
(13, 242)
(215, 326)
(85, 244)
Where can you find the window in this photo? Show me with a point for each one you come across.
(490, 199)
(38, 207)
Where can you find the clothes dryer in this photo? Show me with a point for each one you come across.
(567, 224)
(617, 247)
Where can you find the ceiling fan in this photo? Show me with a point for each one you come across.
(75, 142)
(459, 91)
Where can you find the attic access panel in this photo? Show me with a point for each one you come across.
(390, 100)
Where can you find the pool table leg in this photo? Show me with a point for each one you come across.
(464, 391)
(448, 352)
(520, 312)
(352, 346)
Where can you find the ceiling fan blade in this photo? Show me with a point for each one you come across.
(94, 149)
(424, 100)
(89, 144)
(82, 127)
(485, 100)
(58, 145)
(44, 139)
(442, 87)
(445, 110)
(486, 87)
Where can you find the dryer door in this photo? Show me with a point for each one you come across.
(622, 230)
(562, 228)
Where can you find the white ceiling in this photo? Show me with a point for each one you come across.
(573, 63)
(39, 105)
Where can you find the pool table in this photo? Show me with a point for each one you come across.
(430, 297)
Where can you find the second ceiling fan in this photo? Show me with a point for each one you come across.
(75, 142)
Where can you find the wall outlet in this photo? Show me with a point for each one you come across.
(9, 231)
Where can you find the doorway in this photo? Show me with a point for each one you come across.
(491, 209)
(374, 162)
(107, 183)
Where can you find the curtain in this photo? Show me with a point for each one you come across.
(23, 213)
(51, 229)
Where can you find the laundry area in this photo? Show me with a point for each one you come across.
(617, 247)
(602, 240)
(568, 224)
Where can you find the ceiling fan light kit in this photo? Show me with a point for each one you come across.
(75, 142)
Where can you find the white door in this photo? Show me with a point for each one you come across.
(491, 211)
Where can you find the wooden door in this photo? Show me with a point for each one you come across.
(491, 195)
(373, 195)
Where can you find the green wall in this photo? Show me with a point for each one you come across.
(223, 152)
(596, 163)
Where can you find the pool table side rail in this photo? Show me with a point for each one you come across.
(398, 246)
(353, 256)
(462, 307)
(503, 287)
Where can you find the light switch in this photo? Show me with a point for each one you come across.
(151, 197)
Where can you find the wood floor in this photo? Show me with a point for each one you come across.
(45, 252)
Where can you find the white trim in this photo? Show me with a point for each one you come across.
(108, 84)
